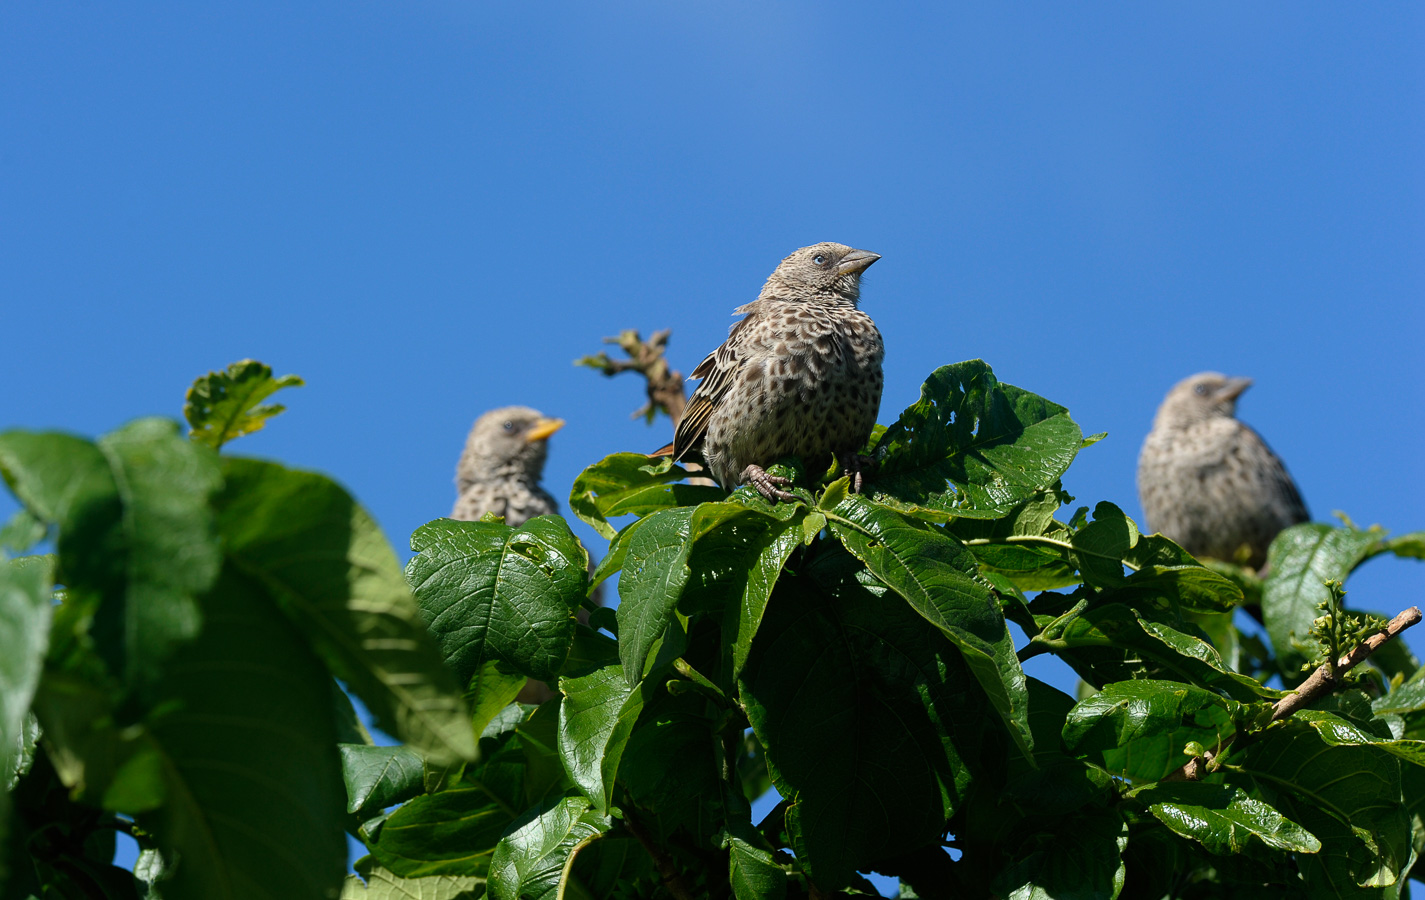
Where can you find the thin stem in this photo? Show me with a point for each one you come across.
(1319, 682)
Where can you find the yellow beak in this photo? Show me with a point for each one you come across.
(543, 429)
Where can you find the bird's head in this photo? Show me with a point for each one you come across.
(508, 442)
(1206, 395)
(821, 271)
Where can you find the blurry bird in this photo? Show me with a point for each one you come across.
(800, 375)
(500, 469)
(499, 473)
(1208, 481)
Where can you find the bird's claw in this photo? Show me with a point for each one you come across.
(767, 485)
(856, 466)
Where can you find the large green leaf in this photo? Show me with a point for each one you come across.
(1223, 818)
(1100, 546)
(631, 483)
(451, 832)
(1338, 731)
(654, 573)
(1138, 729)
(937, 576)
(324, 561)
(532, 862)
(595, 720)
(863, 712)
(135, 531)
(1349, 797)
(669, 766)
(1300, 559)
(254, 805)
(25, 586)
(972, 446)
(489, 591)
(223, 405)
(378, 777)
(1084, 860)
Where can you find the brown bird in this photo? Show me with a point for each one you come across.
(1209, 482)
(799, 375)
(500, 469)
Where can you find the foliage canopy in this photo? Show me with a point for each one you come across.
(170, 671)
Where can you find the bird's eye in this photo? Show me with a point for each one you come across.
(1200, 390)
(509, 426)
(819, 259)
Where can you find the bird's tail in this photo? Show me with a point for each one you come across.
(665, 450)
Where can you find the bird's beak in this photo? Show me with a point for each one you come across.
(543, 429)
(1234, 388)
(856, 261)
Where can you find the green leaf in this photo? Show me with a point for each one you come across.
(1178, 589)
(254, 799)
(1337, 731)
(993, 443)
(22, 532)
(1084, 860)
(383, 884)
(378, 777)
(1099, 547)
(532, 862)
(654, 574)
(223, 405)
(937, 576)
(492, 592)
(1113, 642)
(323, 560)
(1137, 729)
(1300, 559)
(490, 691)
(595, 721)
(1409, 546)
(753, 872)
(631, 483)
(135, 531)
(1349, 797)
(844, 688)
(669, 766)
(452, 832)
(1223, 818)
(25, 586)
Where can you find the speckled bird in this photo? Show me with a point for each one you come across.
(799, 375)
(1208, 481)
(500, 469)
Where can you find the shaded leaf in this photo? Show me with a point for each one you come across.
(937, 576)
(25, 586)
(378, 777)
(1082, 861)
(491, 592)
(383, 884)
(1100, 546)
(846, 689)
(224, 405)
(322, 559)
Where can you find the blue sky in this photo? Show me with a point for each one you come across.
(428, 209)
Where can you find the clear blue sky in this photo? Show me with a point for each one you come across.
(428, 209)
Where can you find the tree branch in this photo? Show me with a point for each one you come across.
(667, 869)
(1316, 684)
(664, 384)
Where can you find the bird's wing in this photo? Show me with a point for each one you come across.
(1281, 478)
(718, 372)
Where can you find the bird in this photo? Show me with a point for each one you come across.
(799, 375)
(1209, 482)
(499, 470)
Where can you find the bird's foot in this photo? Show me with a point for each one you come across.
(856, 466)
(768, 486)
